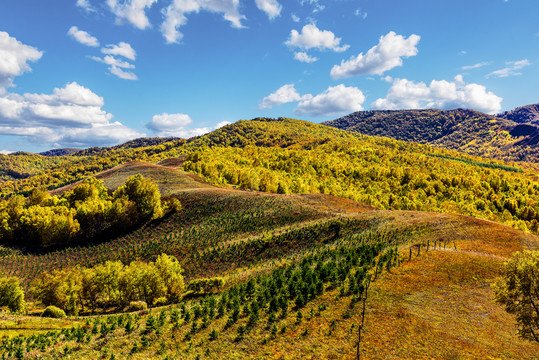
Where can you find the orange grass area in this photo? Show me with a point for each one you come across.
(440, 305)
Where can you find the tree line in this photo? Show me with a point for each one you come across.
(86, 211)
(111, 284)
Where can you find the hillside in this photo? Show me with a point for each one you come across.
(464, 130)
(528, 114)
(434, 300)
(293, 156)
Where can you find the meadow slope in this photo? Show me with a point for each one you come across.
(425, 304)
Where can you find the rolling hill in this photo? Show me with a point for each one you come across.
(434, 300)
(468, 131)
(304, 223)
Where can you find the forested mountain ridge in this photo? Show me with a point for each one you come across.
(464, 130)
(59, 152)
(528, 114)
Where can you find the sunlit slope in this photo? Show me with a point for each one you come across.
(211, 217)
(441, 304)
(436, 304)
(292, 156)
(169, 178)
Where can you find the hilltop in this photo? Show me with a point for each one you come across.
(467, 131)
(294, 156)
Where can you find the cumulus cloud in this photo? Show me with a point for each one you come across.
(116, 67)
(406, 94)
(476, 66)
(71, 94)
(334, 100)
(304, 57)
(71, 116)
(285, 94)
(83, 37)
(512, 69)
(175, 15)
(6, 152)
(98, 134)
(86, 6)
(177, 125)
(132, 11)
(312, 37)
(384, 56)
(122, 49)
(271, 7)
(14, 58)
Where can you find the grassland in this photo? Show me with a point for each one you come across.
(432, 304)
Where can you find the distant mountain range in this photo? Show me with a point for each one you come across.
(464, 130)
(528, 114)
(59, 152)
(510, 136)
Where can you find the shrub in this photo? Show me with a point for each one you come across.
(53, 312)
(11, 294)
(137, 306)
(206, 286)
(162, 301)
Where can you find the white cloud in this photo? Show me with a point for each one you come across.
(70, 116)
(116, 67)
(169, 122)
(176, 125)
(476, 66)
(360, 13)
(315, 3)
(285, 94)
(312, 37)
(133, 11)
(106, 134)
(271, 7)
(304, 57)
(86, 6)
(334, 100)
(406, 94)
(512, 68)
(222, 123)
(295, 18)
(122, 49)
(71, 94)
(6, 152)
(83, 37)
(384, 56)
(14, 58)
(112, 61)
(175, 15)
(125, 75)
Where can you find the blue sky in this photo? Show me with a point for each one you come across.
(80, 73)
